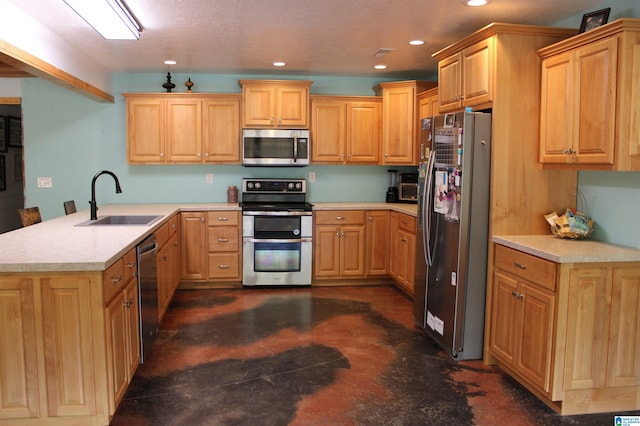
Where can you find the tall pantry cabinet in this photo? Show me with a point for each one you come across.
(521, 192)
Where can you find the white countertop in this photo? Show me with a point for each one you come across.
(59, 245)
(561, 250)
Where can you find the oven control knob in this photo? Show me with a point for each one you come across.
(250, 185)
(290, 185)
(298, 185)
(257, 184)
(296, 232)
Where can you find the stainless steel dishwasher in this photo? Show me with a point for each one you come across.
(148, 290)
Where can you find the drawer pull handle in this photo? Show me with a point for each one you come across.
(223, 240)
(517, 294)
(131, 265)
(520, 265)
(116, 279)
(339, 217)
(223, 219)
(223, 266)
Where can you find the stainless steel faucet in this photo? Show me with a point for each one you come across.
(94, 205)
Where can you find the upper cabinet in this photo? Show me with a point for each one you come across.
(428, 104)
(183, 128)
(590, 99)
(466, 77)
(345, 129)
(275, 103)
(399, 120)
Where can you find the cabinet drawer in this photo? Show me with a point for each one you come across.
(223, 238)
(406, 222)
(340, 217)
(113, 279)
(162, 235)
(529, 267)
(224, 265)
(130, 265)
(223, 218)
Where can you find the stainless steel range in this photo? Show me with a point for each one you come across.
(277, 227)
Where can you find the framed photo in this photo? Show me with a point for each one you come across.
(3, 133)
(3, 174)
(16, 163)
(594, 19)
(15, 131)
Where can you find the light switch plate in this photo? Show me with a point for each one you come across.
(45, 182)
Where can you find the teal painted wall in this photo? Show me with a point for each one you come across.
(69, 138)
(612, 198)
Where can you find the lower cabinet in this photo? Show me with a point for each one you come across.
(210, 245)
(69, 344)
(168, 263)
(568, 332)
(338, 244)
(377, 243)
(403, 250)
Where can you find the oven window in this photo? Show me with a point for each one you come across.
(276, 257)
(277, 226)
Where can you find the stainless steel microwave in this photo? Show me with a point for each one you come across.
(275, 147)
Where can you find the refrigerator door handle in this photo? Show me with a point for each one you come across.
(426, 209)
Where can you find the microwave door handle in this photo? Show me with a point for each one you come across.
(295, 147)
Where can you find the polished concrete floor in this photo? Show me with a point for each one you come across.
(316, 356)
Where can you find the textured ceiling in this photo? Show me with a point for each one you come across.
(319, 37)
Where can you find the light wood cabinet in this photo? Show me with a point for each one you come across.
(345, 130)
(377, 243)
(403, 250)
(275, 103)
(400, 142)
(339, 244)
(589, 111)
(183, 128)
(211, 249)
(428, 104)
(466, 78)
(168, 263)
(568, 332)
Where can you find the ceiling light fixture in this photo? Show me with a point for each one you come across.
(279, 64)
(476, 2)
(112, 19)
(416, 42)
(380, 67)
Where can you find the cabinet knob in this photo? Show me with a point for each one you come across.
(202, 219)
(343, 234)
(517, 294)
(337, 234)
(206, 154)
(271, 120)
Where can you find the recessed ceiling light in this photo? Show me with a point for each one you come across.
(279, 64)
(476, 2)
(416, 42)
(380, 67)
(170, 62)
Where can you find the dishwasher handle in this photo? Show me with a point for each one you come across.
(147, 247)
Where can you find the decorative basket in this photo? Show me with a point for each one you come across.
(573, 225)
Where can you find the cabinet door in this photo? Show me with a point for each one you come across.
(193, 245)
(352, 251)
(477, 77)
(68, 352)
(328, 130)
(221, 130)
(595, 105)
(405, 260)
(556, 122)
(535, 343)
(292, 106)
(326, 251)
(623, 362)
(258, 106)
(18, 369)
(145, 130)
(397, 123)
(118, 366)
(184, 130)
(164, 280)
(363, 132)
(450, 83)
(504, 318)
(377, 245)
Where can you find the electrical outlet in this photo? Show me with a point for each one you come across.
(312, 176)
(209, 178)
(45, 182)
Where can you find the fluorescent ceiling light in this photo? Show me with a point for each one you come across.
(110, 18)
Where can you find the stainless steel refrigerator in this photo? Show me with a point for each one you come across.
(453, 229)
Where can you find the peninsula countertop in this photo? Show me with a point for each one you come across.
(561, 250)
(58, 245)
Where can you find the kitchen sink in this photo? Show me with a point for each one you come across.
(131, 220)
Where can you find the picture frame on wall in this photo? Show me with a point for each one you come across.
(14, 133)
(3, 174)
(16, 163)
(594, 19)
(3, 133)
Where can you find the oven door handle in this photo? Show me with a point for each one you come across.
(277, 213)
(277, 240)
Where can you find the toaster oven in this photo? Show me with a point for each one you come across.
(408, 188)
